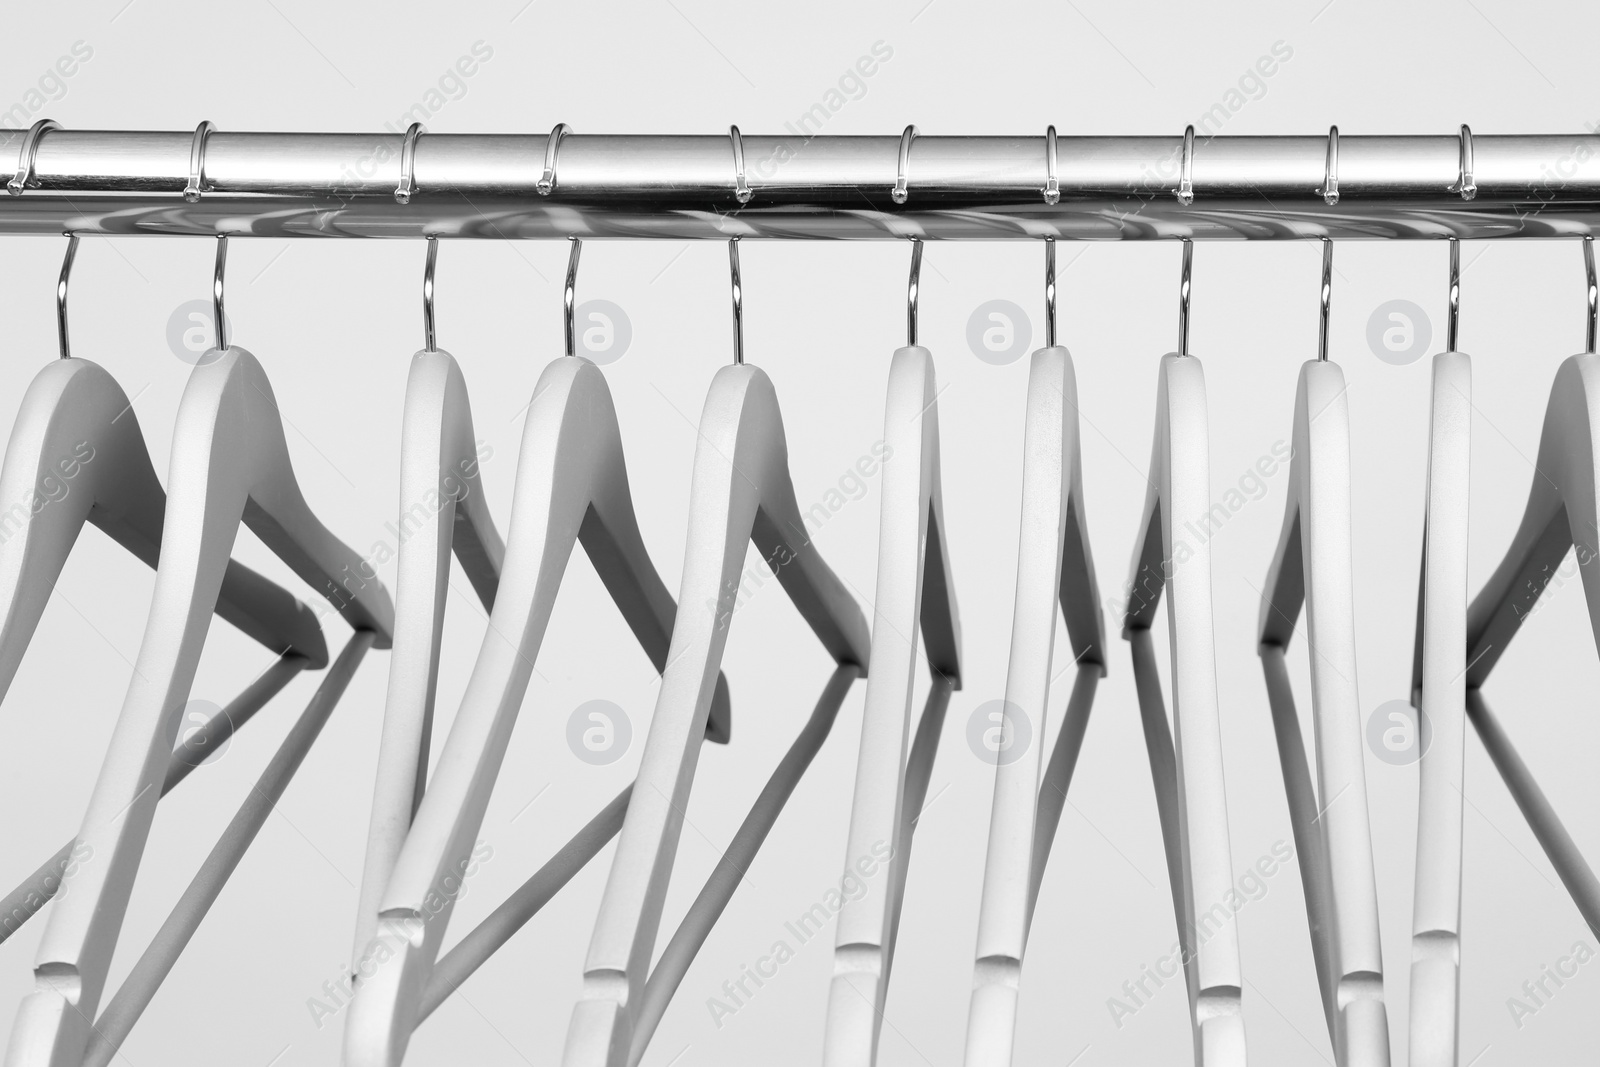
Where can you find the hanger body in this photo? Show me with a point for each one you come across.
(1311, 567)
(571, 486)
(230, 464)
(76, 455)
(442, 507)
(914, 588)
(1190, 787)
(1439, 688)
(741, 492)
(1054, 567)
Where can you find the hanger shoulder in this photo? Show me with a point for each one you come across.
(442, 504)
(1559, 516)
(76, 454)
(1441, 670)
(229, 463)
(913, 586)
(1055, 403)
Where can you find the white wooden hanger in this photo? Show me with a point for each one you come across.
(1561, 516)
(914, 589)
(1054, 566)
(1186, 762)
(1439, 689)
(442, 507)
(572, 485)
(1311, 567)
(76, 455)
(741, 493)
(230, 464)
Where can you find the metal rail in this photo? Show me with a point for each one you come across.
(501, 186)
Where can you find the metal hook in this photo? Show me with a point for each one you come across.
(1594, 293)
(1467, 186)
(900, 191)
(569, 308)
(408, 164)
(911, 291)
(1186, 169)
(741, 188)
(61, 293)
(218, 275)
(1052, 186)
(1452, 320)
(1327, 299)
(547, 181)
(30, 153)
(197, 162)
(1330, 176)
(738, 301)
(1183, 296)
(427, 293)
(1049, 292)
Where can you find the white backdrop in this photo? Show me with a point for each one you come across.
(335, 322)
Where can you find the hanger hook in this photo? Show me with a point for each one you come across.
(912, 288)
(569, 308)
(30, 154)
(1466, 184)
(61, 292)
(1594, 293)
(408, 163)
(1186, 169)
(901, 193)
(1183, 296)
(218, 276)
(1330, 174)
(552, 144)
(1052, 185)
(738, 301)
(1327, 299)
(428, 268)
(1452, 321)
(1049, 292)
(741, 188)
(197, 162)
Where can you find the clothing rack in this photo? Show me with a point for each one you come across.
(508, 186)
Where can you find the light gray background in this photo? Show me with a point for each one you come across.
(335, 322)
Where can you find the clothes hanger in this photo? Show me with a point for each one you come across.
(438, 474)
(1311, 567)
(572, 486)
(741, 492)
(1561, 516)
(914, 588)
(1054, 566)
(1186, 762)
(230, 464)
(1439, 689)
(76, 455)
